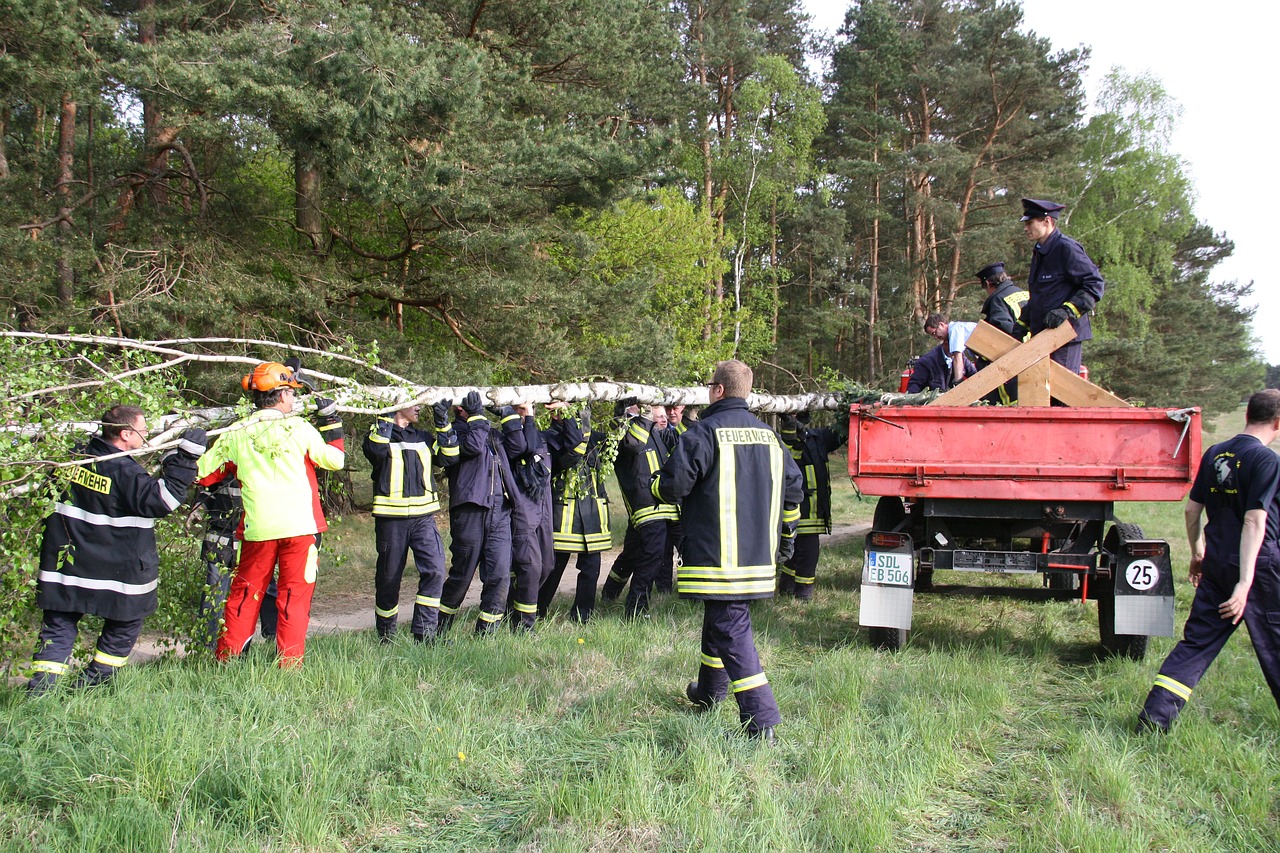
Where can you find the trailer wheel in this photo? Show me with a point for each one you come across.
(890, 514)
(888, 639)
(1125, 645)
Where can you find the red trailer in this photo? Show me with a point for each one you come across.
(1021, 490)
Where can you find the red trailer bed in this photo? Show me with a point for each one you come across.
(1033, 453)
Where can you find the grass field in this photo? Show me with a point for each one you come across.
(996, 728)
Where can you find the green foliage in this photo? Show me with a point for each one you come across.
(35, 409)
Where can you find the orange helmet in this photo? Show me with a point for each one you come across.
(269, 376)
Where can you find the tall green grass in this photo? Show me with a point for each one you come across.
(998, 727)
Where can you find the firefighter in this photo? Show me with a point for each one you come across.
(641, 452)
(404, 505)
(665, 581)
(1005, 301)
(741, 493)
(1064, 283)
(931, 371)
(480, 490)
(1235, 562)
(810, 449)
(275, 457)
(533, 555)
(98, 554)
(220, 550)
(580, 510)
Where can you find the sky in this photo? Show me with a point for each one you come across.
(1215, 60)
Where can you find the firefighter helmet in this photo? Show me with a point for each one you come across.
(269, 376)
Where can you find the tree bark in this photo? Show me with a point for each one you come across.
(4, 128)
(308, 218)
(66, 156)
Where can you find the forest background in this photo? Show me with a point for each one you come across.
(495, 192)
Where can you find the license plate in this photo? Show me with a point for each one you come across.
(889, 568)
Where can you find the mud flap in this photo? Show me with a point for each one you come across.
(1144, 589)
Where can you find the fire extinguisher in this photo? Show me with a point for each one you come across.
(904, 378)
(1084, 372)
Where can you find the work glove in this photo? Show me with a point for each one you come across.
(584, 418)
(327, 420)
(620, 407)
(789, 423)
(383, 427)
(500, 412)
(471, 404)
(440, 413)
(786, 547)
(1056, 318)
(295, 364)
(193, 442)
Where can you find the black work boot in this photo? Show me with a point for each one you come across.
(94, 675)
(42, 683)
(764, 735)
(701, 702)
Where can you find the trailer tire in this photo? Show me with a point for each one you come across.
(890, 514)
(888, 639)
(1133, 647)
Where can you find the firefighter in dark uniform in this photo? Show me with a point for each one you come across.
(405, 501)
(931, 372)
(532, 547)
(810, 449)
(641, 452)
(1235, 562)
(480, 490)
(99, 554)
(741, 492)
(1003, 309)
(580, 510)
(222, 505)
(665, 581)
(1005, 301)
(1064, 282)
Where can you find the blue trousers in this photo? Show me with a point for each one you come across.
(730, 662)
(584, 600)
(58, 639)
(396, 537)
(480, 538)
(639, 562)
(1206, 633)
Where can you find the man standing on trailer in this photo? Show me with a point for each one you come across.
(1064, 282)
(1235, 562)
(740, 492)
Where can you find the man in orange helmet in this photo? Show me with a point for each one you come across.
(275, 457)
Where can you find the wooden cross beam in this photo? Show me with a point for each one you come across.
(1039, 378)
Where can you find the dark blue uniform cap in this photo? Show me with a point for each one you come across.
(1035, 208)
(991, 271)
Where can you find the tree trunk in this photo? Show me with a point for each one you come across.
(308, 219)
(66, 155)
(4, 128)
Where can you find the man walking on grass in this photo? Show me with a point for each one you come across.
(741, 494)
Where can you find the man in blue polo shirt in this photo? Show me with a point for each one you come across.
(1235, 562)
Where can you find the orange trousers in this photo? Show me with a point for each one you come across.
(296, 557)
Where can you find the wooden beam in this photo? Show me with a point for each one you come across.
(1006, 367)
(1070, 389)
(1033, 384)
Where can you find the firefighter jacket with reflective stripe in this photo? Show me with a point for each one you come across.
(99, 550)
(401, 457)
(810, 449)
(580, 503)
(483, 472)
(641, 453)
(275, 458)
(1003, 309)
(741, 493)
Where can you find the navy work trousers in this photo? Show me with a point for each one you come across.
(396, 537)
(730, 661)
(639, 562)
(480, 538)
(584, 600)
(1206, 633)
